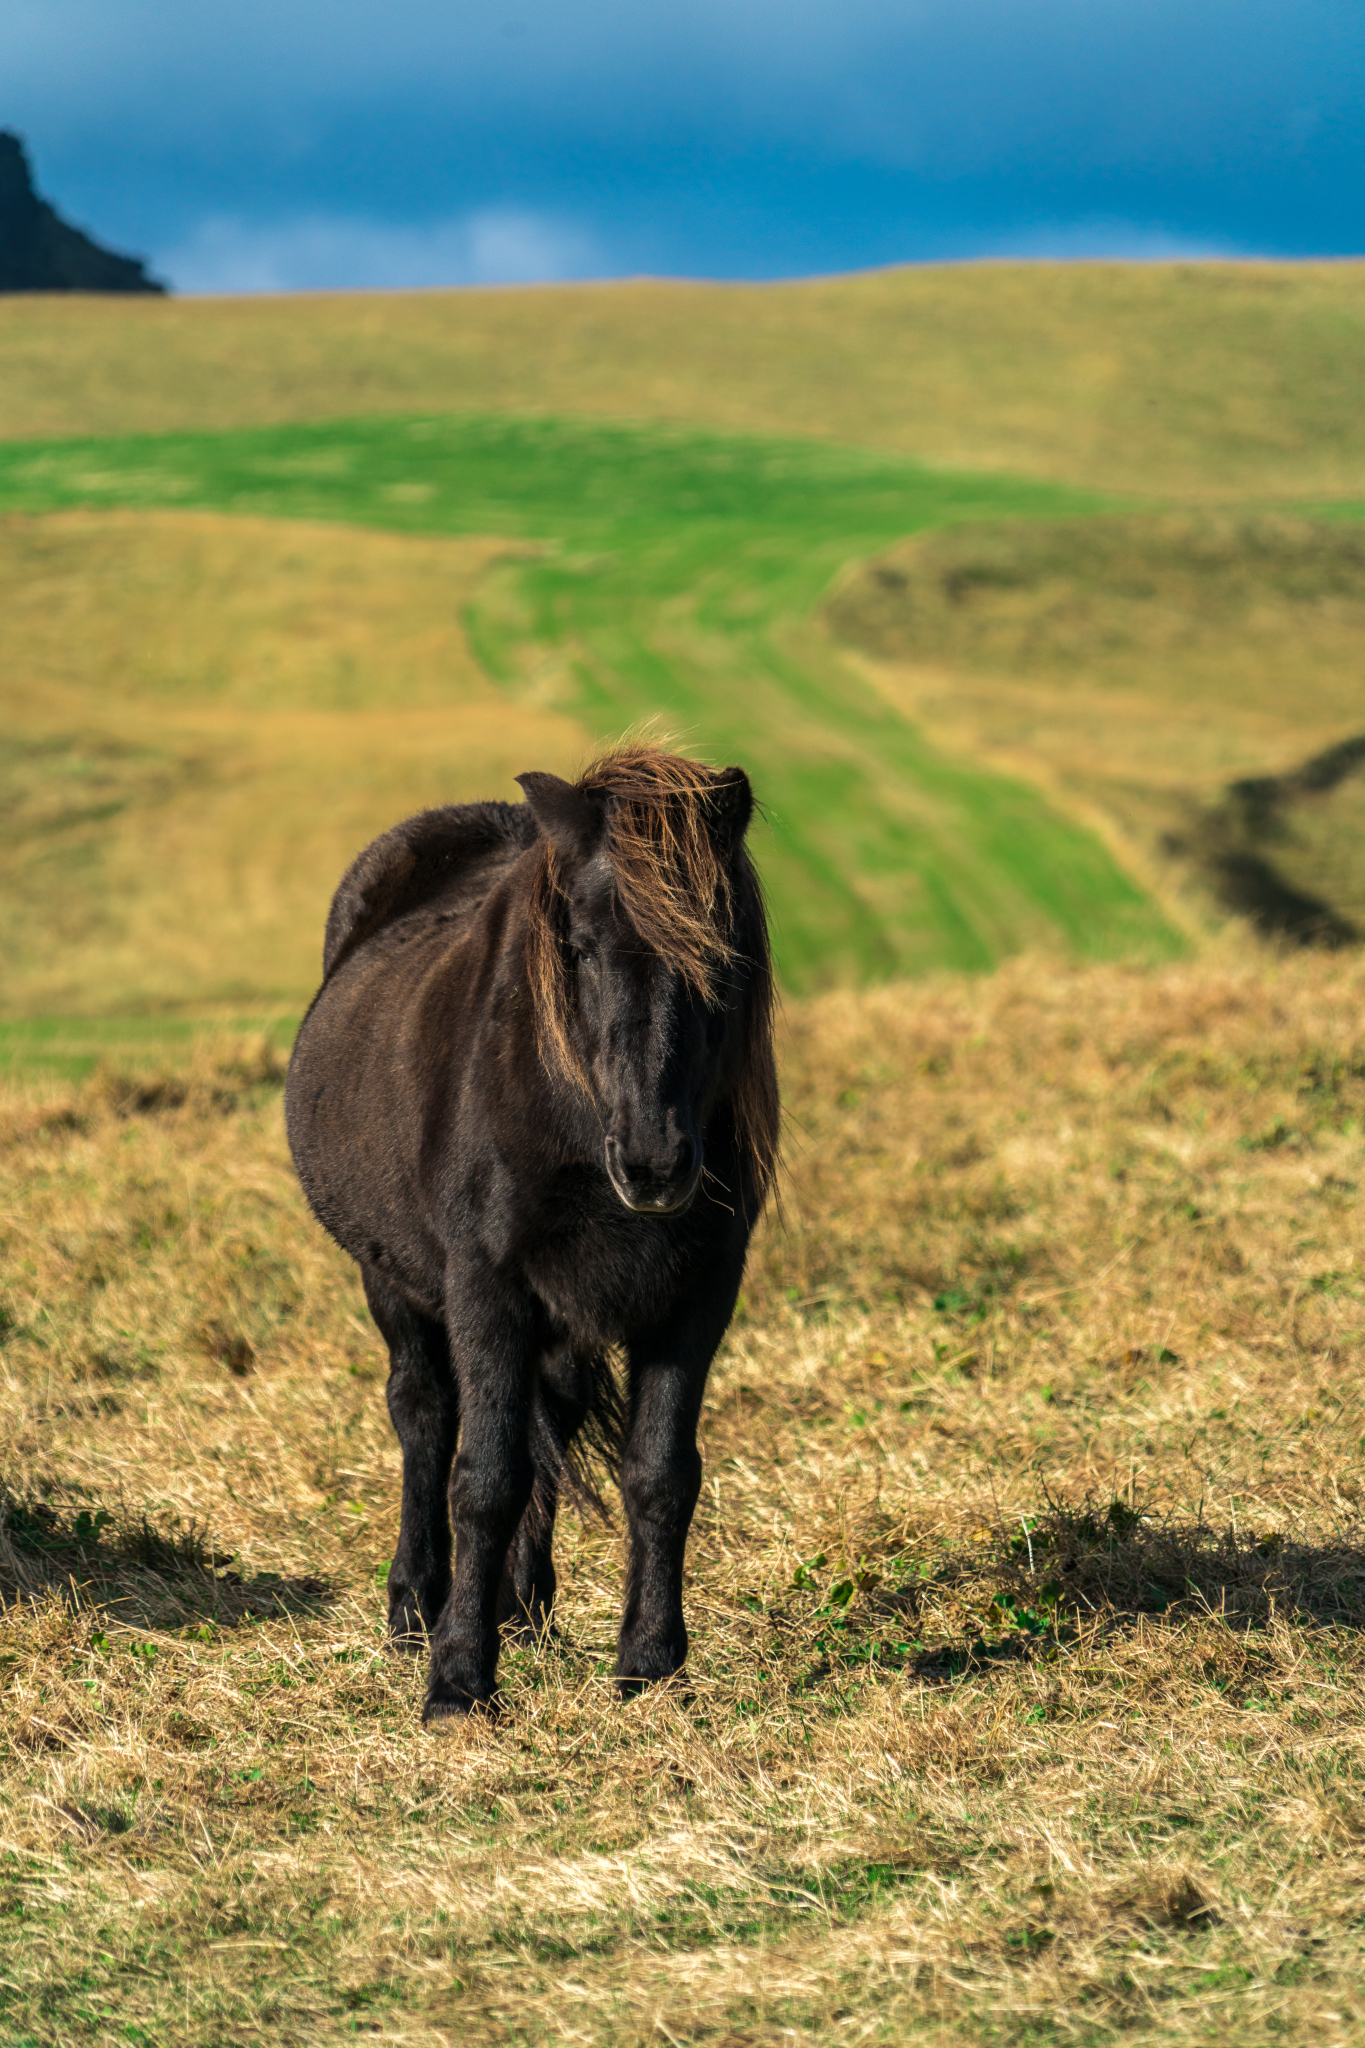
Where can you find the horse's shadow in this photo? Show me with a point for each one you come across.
(1075, 1571)
(144, 1572)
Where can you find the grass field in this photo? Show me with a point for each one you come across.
(1028, 1582)
(921, 815)
(1027, 1585)
(211, 717)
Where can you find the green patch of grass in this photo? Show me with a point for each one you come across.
(611, 487)
(71, 1048)
(676, 579)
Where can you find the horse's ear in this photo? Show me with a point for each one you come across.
(570, 818)
(732, 805)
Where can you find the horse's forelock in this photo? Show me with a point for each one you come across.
(672, 878)
(680, 885)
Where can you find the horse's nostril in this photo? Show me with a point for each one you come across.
(656, 1178)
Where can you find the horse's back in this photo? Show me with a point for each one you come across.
(451, 855)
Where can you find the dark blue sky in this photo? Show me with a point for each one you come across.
(248, 144)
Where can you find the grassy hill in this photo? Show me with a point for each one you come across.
(1194, 681)
(680, 476)
(656, 575)
(1208, 380)
(210, 717)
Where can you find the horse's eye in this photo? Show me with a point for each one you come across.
(584, 956)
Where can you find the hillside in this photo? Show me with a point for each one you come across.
(642, 576)
(1193, 680)
(1034, 740)
(1203, 380)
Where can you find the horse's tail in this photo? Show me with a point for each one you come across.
(575, 1447)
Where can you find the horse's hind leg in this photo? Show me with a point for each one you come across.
(424, 1407)
(526, 1594)
(559, 1409)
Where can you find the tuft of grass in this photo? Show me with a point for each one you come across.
(1026, 1588)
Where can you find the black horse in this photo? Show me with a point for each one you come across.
(535, 1099)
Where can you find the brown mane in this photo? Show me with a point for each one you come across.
(697, 910)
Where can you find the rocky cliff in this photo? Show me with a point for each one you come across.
(40, 252)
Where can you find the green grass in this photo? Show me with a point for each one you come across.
(73, 1047)
(594, 485)
(675, 579)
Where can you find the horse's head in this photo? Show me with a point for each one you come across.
(633, 961)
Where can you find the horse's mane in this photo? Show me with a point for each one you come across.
(690, 901)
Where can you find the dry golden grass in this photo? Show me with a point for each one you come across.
(1197, 379)
(206, 718)
(1027, 1582)
(1238, 632)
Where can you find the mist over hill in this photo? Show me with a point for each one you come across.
(40, 252)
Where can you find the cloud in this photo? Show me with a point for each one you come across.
(338, 252)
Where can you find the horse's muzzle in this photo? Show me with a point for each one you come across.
(650, 1192)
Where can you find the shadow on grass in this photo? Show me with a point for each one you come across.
(1109, 1568)
(134, 1569)
(1237, 841)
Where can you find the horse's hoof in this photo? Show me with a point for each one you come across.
(456, 1706)
(630, 1683)
(437, 1711)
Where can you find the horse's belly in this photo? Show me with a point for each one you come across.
(349, 1132)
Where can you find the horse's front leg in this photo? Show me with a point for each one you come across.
(424, 1408)
(493, 1342)
(660, 1482)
